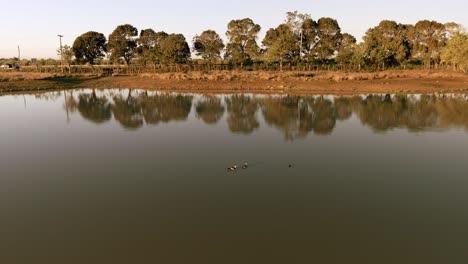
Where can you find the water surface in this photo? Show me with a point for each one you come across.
(128, 176)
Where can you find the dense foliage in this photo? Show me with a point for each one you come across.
(299, 40)
(89, 46)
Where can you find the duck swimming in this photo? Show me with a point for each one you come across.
(233, 168)
(245, 166)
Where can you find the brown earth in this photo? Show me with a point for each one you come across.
(396, 81)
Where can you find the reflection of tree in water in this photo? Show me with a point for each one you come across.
(294, 116)
(93, 108)
(419, 114)
(344, 107)
(298, 116)
(383, 113)
(452, 112)
(210, 109)
(127, 111)
(289, 114)
(242, 110)
(70, 103)
(165, 107)
(323, 117)
(49, 96)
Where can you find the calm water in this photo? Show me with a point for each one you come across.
(121, 176)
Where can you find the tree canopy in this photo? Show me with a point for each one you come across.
(428, 38)
(149, 46)
(456, 51)
(89, 46)
(280, 43)
(298, 40)
(175, 49)
(122, 43)
(242, 35)
(208, 45)
(387, 43)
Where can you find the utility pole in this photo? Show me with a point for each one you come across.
(61, 52)
(19, 54)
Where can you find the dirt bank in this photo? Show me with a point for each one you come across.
(252, 82)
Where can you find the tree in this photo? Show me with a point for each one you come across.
(242, 35)
(428, 38)
(208, 45)
(149, 45)
(387, 44)
(328, 38)
(175, 49)
(281, 44)
(456, 51)
(452, 28)
(347, 49)
(122, 43)
(309, 37)
(66, 53)
(300, 25)
(89, 46)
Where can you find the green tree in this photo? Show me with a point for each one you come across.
(387, 44)
(428, 38)
(309, 38)
(281, 44)
(301, 26)
(89, 46)
(66, 53)
(456, 51)
(347, 49)
(208, 45)
(452, 29)
(328, 38)
(122, 43)
(242, 46)
(175, 49)
(149, 46)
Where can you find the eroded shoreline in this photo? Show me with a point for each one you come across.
(395, 82)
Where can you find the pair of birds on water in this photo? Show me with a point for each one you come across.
(245, 166)
(233, 168)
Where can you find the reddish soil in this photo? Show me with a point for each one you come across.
(251, 82)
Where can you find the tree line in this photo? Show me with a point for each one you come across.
(298, 40)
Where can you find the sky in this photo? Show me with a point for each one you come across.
(35, 24)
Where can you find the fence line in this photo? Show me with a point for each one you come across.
(108, 70)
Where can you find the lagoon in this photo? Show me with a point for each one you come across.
(134, 176)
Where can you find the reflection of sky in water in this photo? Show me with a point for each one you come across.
(385, 180)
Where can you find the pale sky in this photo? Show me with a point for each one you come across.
(34, 24)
